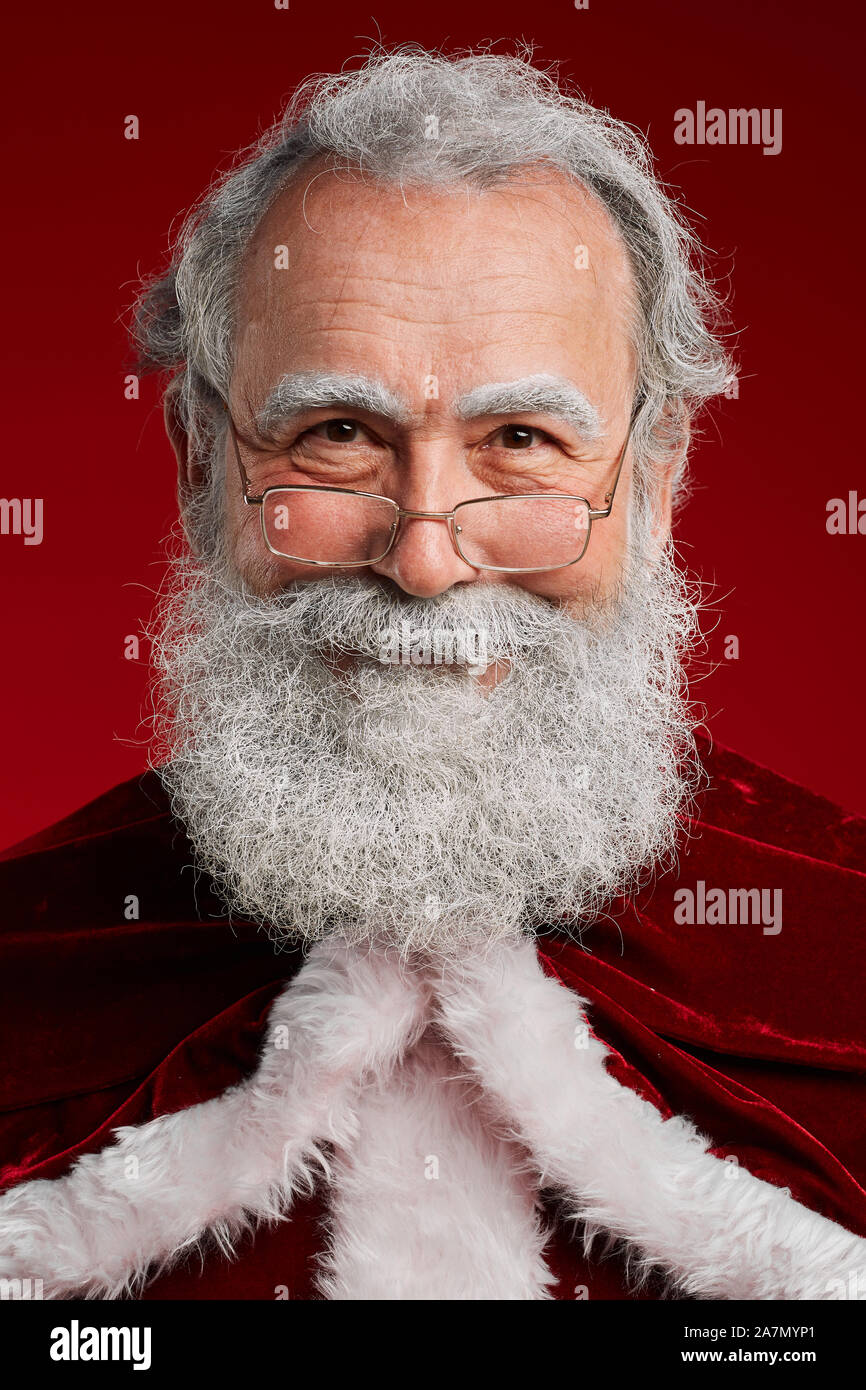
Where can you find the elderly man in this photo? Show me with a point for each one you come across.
(544, 987)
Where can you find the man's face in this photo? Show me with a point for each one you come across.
(329, 787)
(435, 294)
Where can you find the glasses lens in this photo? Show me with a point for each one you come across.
(333, 528)
(523, 532)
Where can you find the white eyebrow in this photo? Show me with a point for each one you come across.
(300, 391)
(540, 394)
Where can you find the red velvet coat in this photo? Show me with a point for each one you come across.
(756, 1035)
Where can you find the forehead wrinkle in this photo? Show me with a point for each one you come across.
(541, 393)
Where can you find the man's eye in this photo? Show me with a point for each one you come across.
(337, 431)
(520, 436)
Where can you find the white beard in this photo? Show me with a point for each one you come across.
(407, 806)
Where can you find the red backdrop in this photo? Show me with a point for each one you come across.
(88, 210)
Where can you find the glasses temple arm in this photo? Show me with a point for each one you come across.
(245, 482)
(597, 515)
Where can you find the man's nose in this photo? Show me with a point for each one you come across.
(423, 560)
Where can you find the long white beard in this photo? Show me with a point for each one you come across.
(407, 806)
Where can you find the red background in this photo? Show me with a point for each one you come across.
(89, 210)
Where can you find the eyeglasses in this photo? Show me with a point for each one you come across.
(340, 527)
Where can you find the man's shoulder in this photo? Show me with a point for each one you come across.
(745, 799)
(139, 800)
(114, 874)
(115, 948)
(118, 853)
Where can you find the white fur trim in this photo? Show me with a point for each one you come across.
(719, 1232)
(428, 1202)
(484, 1064)
(224, 1164)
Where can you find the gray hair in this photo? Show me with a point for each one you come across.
(414, 116)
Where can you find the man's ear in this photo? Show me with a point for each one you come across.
(663, 505)
(676, 432)
(189, 473)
